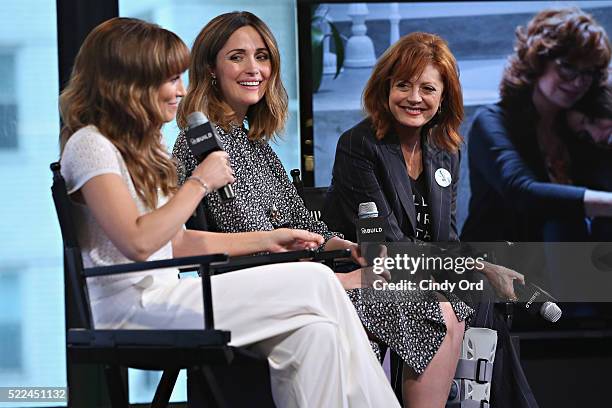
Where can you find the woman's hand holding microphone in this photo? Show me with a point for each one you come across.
(214, 172)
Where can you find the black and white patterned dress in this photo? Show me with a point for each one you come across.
(411, 323)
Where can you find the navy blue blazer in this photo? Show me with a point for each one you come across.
(368, 169)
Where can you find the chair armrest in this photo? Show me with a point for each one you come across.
(169, 338)
(339, 260)
(331, 255)
(250, 261)
(187, 261)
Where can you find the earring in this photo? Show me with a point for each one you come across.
(214, 80)
(440, 109)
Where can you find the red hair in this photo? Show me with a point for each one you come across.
(565, 33)
(408, 58)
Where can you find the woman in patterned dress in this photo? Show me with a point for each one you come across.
(234, 79)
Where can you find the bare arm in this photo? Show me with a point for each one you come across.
(192, 242)
(502, 279)
(137, 235)
(598, 203)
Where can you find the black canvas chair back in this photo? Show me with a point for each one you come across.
(78, 315)
(314, 197)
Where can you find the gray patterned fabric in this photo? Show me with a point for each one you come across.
(261, 186)
(408, 322)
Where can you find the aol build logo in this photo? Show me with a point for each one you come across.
(196, 140)
(371, 230)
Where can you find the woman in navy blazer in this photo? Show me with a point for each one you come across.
(383, 155)
(370, 169)
(405, 158)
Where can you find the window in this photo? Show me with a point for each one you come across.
(32, 351)
(11, 360)
(8, 101)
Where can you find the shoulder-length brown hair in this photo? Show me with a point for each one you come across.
(407, 59)
(268, 116)
(114, 86)
(556, 33)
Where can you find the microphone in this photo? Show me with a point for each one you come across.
(367, 210)
(369, 224)
(202, 140)
(370, 229)
(538, 301)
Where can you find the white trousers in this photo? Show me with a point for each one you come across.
(296, 314)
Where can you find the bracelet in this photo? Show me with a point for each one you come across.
(200, 182)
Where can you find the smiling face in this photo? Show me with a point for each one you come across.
(242, 69)
(415, 102)
(168, 97)
(563, 85)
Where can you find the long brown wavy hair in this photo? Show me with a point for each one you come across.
(114, 86)
(567, 33)
(407, 59)
(268, 116)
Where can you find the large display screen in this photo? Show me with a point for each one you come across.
(346, 40)
(480, 35)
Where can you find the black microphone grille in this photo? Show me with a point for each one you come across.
(195, 119)
(550, 311)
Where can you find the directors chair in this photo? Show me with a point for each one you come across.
(115, 350)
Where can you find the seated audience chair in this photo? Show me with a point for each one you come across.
(314, 197)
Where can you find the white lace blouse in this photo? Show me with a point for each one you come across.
(88, 154)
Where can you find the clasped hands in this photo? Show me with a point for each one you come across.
(363, 277)
(501, 278)
(285, 239)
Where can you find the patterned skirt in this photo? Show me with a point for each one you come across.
(410, 323)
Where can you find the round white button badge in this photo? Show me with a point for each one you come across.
(443, 177)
